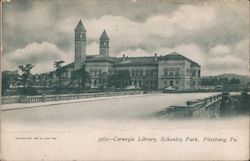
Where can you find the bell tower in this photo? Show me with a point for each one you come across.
(104, 44)
(80, 46)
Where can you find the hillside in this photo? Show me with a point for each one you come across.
(244, 79)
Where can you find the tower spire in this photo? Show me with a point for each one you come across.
(80, 26)
(104, 36)
(80, 46)
(104, 44)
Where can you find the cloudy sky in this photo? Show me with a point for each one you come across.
(212, 33)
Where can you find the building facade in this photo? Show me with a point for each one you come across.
(171, 71)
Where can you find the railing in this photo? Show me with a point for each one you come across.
(10, 99)
(207, 107)
(50, 98)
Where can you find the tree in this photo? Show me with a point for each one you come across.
(25, 80)
(59, 71)
(26, 73)
(82, 76)
(120, 79)
(234, 81)
(8, 78)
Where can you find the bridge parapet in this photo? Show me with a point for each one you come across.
(207, 107)
(63, 97)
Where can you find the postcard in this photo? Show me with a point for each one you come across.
(124, 80)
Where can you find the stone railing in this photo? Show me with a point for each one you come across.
(50, 98)
(10, 99)
(199, 108)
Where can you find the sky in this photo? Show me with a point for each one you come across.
(215, 34)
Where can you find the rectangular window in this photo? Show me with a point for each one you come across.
(133, 73)
(193, 73)
(171, 83)
(137, 73)
(141, 73)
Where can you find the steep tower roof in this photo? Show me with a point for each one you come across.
(80, 27)
(104, 36)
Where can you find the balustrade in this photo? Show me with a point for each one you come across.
(201, 108)
(50, 98)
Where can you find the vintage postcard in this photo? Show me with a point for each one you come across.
(125, 80)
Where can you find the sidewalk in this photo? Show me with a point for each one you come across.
(16, 106)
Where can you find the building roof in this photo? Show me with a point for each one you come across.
(102, 58)
(129, 61)
(136, 61)
(104, 36)
(140, 61)
(80, 27)
(177, 56)
(71, 65)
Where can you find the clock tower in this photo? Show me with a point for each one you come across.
(104, 44)
(80, 46)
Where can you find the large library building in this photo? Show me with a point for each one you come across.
(173, 70)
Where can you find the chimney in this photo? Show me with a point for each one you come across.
(123, 57)
(155, 56)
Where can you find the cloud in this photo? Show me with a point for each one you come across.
(41, 55)
(229, 59)
(134, 53)
(126, 33)
(226, 64)
(191, 51)
(93, 48)
(205, 32)
(226, 61)
(220, 50)
(241, 49)
(211, 64)
(192, 17)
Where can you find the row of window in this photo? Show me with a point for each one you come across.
(131, 82)
(193, 83)
(171, 73)
(143, 82)
(132, 73)
(147, 73)
(195, 73)
(171, 83)
(97, 72)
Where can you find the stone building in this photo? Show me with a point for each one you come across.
(172, 71)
